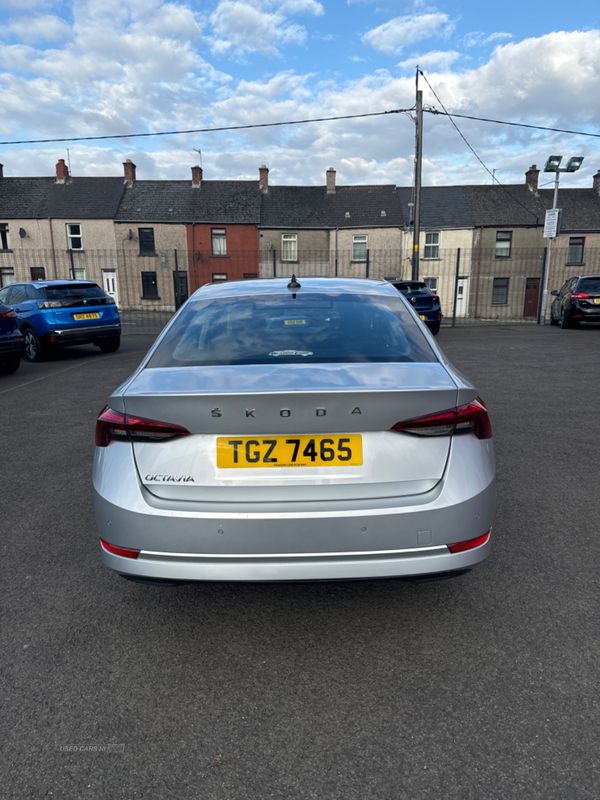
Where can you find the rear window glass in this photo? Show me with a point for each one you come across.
(277, 329)
(73, 290)
(412, 288)
(589, 285)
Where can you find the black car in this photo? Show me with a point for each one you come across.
(11, 341)
(578, 301)
(423, 300)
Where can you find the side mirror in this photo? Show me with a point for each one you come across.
(554, 292)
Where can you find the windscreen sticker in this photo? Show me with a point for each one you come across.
(291, 353)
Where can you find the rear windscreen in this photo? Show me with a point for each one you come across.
(312, 328)
(412, 288)
(589, 285)
(75, 291)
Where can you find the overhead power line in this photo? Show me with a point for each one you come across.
(514, 124)
(210, 130)
(486, 168)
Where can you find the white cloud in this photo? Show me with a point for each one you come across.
(47, 28)
(299, 7)
(478, 38)
(442, 59)
(241, 26)
(392, 36)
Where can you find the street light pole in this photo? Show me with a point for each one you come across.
(552, 165)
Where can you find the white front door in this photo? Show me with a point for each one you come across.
(461, 297)
(109, 282)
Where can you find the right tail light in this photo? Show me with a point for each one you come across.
(470, 418)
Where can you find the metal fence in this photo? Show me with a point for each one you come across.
(475, 286)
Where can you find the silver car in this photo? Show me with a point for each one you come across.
(286, 431)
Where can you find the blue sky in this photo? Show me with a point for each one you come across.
(101, 67)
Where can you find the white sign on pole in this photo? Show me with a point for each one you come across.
(551, 225)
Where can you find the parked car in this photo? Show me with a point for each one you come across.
(293, 432)
(60, 313)
(11, 341)
(425, 302)
(578, 301)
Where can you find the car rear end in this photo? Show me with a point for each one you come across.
(424, 302)
(585, 300)
(278, 437)
(75, 312)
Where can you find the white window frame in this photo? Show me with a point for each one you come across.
(79, 273)
(218, 241)
(74, 239)
(432, 245)
(357, 247)
(219, 277)
(289, 247)
(431, 283)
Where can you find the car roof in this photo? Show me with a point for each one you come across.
(307, 285)
(51, 283)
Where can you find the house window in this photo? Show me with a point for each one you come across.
(500, 292)
(4, 245)
(74, 241)
(149, 286)
(248, 276)
(38, 274)
(79, 274)
(146, 239)
(359, 248)
(7, 276)
(503, 244)
(576, 244)
(289, 247)
(219, 277)
(431, 283)
(432, 245)
(219, 241)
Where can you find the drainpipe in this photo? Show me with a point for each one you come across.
(336, 251)
(53, 251)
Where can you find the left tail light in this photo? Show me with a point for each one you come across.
(8, 314)
(470, 418)
(114, 426)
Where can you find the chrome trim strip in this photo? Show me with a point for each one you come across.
(258, 556)
(90, 329)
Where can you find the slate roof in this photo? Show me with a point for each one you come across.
(311, 207)
(442, 207)
(79, 198)
(220, 202)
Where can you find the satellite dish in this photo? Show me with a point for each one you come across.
(22, 233)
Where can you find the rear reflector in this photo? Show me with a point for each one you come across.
(470, 418)
(469, 544)
(128, 552)
(114, 426)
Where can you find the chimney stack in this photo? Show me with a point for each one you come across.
(596, 181)
(531, 178)
(331, 181)
(129, 168)
(196, 177)
(1, 170)
(62, 171)
(263, 179)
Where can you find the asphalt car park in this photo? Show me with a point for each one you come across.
(480, 687)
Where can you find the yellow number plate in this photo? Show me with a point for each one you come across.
(422, 317)
(289, 451)
(596, 300)
(86, 316)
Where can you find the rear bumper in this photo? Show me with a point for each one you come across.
(395, 537)
(10, 347)
(65, 336)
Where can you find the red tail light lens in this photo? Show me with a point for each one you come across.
(435, 298)
(9, 314)
(470, 418)
(114, 426)
(579, 296)
(128, 552)
(469, 544)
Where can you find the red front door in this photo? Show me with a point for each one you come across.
(532, 293)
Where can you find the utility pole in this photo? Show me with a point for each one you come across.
(418, 159)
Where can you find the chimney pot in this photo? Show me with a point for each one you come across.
(531, 178)
(196, 177)
(129, 170)
(263, 179)
(596, 183)
(331, 181)
(62, 171)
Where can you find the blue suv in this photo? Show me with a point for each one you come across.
(60, 313)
